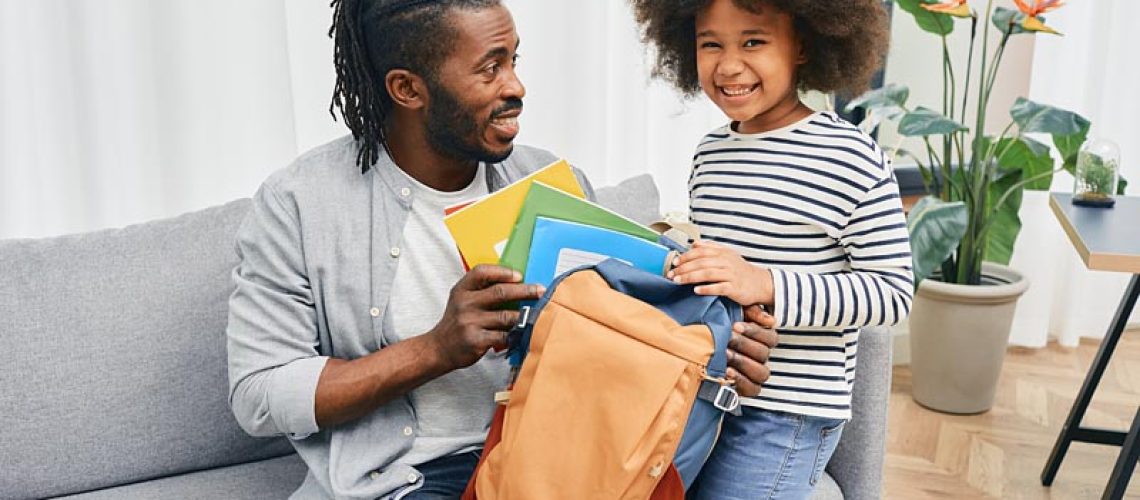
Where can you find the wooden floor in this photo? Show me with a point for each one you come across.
(999, 454)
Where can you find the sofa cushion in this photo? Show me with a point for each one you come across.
(115, 365)
(636, 198)
(827, 489)
(271, 479)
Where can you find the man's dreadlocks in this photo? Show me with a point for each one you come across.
(373, 37)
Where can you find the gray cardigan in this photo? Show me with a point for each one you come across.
(318, 256)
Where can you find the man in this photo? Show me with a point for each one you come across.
(346, 333)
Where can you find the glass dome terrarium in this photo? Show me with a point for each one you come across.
(1097, 173)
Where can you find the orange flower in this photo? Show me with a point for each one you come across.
(1031, 21)
(956, 8)
(1039, 6)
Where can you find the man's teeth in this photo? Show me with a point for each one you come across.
(737, 91)
(506, 122)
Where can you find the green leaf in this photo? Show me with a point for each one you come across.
(890, 99)
(930, 22)
(1033, 117)
(935, 228)
(1069, 145)
(1030, 157)
(1036, 147)
(1121, 186)
(1005, 219)
(1004, 19)
(923, 170)
(926, 121)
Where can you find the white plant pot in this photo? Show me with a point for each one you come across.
(958, 339)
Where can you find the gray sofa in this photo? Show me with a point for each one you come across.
(114, 372)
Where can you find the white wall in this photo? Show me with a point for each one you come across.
(915, 60)
(1089, 70)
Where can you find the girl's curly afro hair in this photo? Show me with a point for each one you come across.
(845, 40)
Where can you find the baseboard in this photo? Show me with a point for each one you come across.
(900, 341)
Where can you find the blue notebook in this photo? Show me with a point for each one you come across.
(558, 246)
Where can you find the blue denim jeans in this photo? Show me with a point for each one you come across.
(765, 454)
(445, 478)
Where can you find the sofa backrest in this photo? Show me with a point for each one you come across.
(114, 364)
(635, 197)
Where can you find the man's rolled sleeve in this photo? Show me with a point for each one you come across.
(292, 396)
(272, 337)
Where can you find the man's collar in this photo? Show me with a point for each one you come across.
(385, 170)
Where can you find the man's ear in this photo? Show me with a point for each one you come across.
(407, 89)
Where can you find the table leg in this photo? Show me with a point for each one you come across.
(1125, 463)
(1076, 414)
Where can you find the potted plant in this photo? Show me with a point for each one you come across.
(962, 235)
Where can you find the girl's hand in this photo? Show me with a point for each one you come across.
(723, 272)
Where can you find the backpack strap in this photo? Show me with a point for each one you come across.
(518, 338)
(721, 395)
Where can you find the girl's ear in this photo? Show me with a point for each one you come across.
(406, 88)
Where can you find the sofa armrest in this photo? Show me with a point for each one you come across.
(857, 465)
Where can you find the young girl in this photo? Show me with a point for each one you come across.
(799, 212)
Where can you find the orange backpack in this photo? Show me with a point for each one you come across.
(620, 394)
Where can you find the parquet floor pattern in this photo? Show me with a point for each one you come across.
(1000, 453)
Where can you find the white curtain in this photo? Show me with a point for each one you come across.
(122, 111)
(1092, 70)
(117, 112)
(590, 98)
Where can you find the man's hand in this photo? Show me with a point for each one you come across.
(472, 322)
(721, 271)
(752, 341)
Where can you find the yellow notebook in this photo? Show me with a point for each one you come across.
(481, 229)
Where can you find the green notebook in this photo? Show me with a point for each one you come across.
(545, 201)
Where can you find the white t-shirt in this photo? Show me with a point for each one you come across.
(453, 412)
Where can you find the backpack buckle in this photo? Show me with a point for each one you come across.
(524, 315)
(726, 400)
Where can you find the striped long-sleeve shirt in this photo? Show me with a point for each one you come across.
(818, 204)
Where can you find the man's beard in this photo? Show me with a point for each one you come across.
(453, 131)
